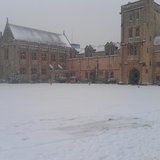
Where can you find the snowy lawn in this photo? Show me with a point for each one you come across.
(79, 122)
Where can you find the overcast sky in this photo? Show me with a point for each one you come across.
(84, 21)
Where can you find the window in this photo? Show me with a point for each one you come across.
(112, 75)
(86, 75)
(62, 50)
(157, 78)
(130, 32)
(53, 57)
(61, 57)
(43, 71)
(6, 54)
(133, 50)
(34, 70)
(137, 32)
(158, 64)
(131, 16)
(22, 55)
(137, 15)
(22, 70)
(44, 56)
(34, 56)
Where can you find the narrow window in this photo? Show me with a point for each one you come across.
(22, 55)
(130, 34)
(137, 15)
(131, 16)
(137, 32)
(34, 56)
(6, 56)
(44, 56)
(53, 57)
(133, 49)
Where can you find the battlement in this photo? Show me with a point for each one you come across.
(132, 6)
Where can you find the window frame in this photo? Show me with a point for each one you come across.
(33, 70)
(130, 32)
(43, 56)
(23, 55)
(34, 56)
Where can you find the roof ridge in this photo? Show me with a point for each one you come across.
(39, 36)
(39, 30)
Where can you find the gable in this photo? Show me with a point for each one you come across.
(7, 35)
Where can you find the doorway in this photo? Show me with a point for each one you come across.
(134, 76)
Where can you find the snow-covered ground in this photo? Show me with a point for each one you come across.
(79, 122)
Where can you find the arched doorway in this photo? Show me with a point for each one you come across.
(134, 76)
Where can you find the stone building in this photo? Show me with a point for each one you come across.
(96, 65)
(31, 55)
(140, 30)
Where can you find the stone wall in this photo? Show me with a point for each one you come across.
(83, 67)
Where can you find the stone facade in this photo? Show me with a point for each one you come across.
(27, 58)
(32, 61)
(139, 26)
(156, 65)
(95, 68)
(30, 55)
(96, 65)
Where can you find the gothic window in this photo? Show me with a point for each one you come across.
(133, 49)
(130, 32)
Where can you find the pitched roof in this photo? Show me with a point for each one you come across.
(38, 36)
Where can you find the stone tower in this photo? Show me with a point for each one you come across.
(139, 26)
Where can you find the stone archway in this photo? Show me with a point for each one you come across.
(134, 76)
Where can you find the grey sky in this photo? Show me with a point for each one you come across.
(84, 21)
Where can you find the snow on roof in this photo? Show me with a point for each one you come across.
(157, 40)
(38, 36)
(99, 48)
(118, 45)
